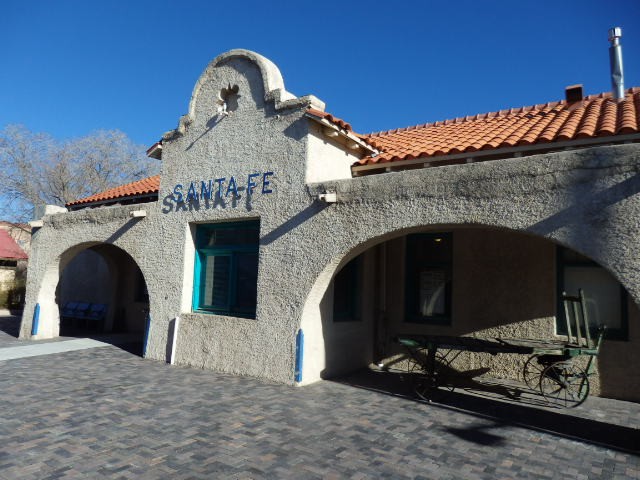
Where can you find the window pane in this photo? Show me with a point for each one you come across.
(228, 236)
(216, 281)
(227, 269)
(428, 278)
(246, 281)
(601, 291)
(433, 284)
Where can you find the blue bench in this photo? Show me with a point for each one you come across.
(84, 314)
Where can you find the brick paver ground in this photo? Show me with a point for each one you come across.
(105, 413)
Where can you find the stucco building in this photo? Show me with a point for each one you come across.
(14, 245)
(272, 217)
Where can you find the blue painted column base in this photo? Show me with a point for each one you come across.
(299, 354)
(36, 320)
(146, 335)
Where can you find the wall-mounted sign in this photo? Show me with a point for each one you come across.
(201, 190)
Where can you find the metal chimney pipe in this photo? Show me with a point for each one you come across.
(615, 61)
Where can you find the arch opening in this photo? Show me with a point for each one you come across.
(101, 293)
(462, 281)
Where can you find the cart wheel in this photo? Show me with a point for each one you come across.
(430, 387)
(421, 382)
(564, 384)
(532, 372)
(444, 373)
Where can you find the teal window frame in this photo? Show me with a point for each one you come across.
(621, 333)
(229, 307)
(412, 280)
(348, 279)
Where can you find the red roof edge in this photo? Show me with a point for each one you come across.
(9, 248)
(327, 116)
(145, 186)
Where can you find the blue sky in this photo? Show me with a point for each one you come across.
(71, 67)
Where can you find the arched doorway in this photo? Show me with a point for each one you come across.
(461, 281)
(102, 293)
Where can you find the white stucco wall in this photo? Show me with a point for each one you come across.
(326, 158)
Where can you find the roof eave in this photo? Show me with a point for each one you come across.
(479, 154)
(352, 141)
(155, 151)
(80, 205)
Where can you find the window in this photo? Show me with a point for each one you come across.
(346, 292)
(226, 268)
(8, 263)
(428, 278)
(605, 297)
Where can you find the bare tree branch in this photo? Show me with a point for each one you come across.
(37, 169)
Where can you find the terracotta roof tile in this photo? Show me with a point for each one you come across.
(141, 187)
(595, 116)
(9, 249)
(335, 120)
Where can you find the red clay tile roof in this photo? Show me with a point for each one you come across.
(141, 187)
(594, 116)
(335, 120)
(9, 249)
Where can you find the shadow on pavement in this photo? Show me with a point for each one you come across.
(10, 325)
(132, 343)
(569, 423)
(125, 341)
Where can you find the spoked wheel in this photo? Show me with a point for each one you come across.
(564, 384)
(444, 373)
(532, 372)
(427, 386)
(422, 383)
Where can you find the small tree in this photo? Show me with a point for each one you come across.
(37, 169)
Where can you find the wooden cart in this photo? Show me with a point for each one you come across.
(554, 368)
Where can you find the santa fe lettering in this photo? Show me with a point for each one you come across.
(222, 188)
